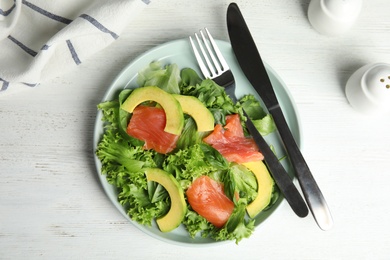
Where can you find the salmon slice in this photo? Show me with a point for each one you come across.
(147, 124)
(207, 198)
(231, 142)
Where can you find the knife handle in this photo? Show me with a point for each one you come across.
(313, 195)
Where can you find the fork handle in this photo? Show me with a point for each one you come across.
(313, 195)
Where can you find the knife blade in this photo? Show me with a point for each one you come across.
(252, 65)
(282, 179)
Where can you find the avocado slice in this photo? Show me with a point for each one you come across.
(198, 111)
(265, 185)
(173, 111)
(178, 209)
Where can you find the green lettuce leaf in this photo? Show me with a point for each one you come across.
(262, 121)
(237, 227)
(190, 134)
(166, 78)
(110, 111)
(212, 96)
(239, 180)
(123, 163)
(188, 164)
(189, 78)
(196, 224)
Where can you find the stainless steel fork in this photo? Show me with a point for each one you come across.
(214, 66)
(212, 63)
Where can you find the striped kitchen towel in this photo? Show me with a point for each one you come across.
(40, 39)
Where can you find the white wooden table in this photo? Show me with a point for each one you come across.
(53, 207)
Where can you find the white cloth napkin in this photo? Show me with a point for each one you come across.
(40, 39)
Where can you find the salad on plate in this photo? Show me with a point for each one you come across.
(178, 153)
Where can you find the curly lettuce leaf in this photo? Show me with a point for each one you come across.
(211, 94)
(123, 163)
(196, 224)
(113, 149)
(188, 164)
(237, 227)
(110, 111)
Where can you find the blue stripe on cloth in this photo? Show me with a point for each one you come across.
(73, 52)
(45, 47)
(46, 13)
(5, 84)
(99, 25)
(7, 12)
(24, 47)
(31, 84)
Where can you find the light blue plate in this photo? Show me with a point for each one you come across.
(180, 52)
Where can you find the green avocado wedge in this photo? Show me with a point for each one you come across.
(198, 111)
(265, 185)
(178, 209)
(173, 111)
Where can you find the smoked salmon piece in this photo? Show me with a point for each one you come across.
(207, 198)
(147, 124)
(231, 142)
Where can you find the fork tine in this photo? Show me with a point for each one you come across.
(205, 49)
(217, 51)
(216, 67)
(199, 59)
(205, 55)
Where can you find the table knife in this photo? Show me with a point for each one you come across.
(252, 65)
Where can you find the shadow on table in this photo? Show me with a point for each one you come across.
(304, 7)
